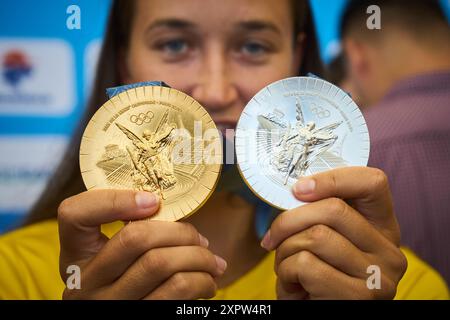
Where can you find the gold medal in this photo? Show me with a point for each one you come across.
(156, 139)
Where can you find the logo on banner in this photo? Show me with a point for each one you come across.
(16, 66)
(37, 77)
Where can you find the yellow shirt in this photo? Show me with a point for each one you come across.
(29, 270)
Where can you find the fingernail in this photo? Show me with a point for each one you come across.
(221, 264)
(145, 200)
(265, 243)
(304, 186)
(203, 241)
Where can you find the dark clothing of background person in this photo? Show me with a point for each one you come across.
(410, 140)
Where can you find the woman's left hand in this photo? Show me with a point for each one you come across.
(324, 249)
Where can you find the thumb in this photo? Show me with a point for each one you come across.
(80, 218)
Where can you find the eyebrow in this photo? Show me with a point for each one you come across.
(170, 23)
(258, 25)
(251, 25)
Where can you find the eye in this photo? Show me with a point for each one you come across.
(253, 48)
(174, 47)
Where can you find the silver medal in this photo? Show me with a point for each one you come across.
(297, 127)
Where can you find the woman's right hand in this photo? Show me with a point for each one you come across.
(144, 260)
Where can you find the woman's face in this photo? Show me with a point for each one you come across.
(219, 52)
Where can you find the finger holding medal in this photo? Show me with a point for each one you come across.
(144, 260)
(128, 166)
(324, 248)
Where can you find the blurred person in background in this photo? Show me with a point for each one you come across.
(221, 53)
(336, 73)
(402, 73)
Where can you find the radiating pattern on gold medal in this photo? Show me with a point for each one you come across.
(131, 140)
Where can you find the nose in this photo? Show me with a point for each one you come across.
(214, 88)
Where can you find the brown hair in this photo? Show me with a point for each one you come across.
(416, 17)
(67, 181)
